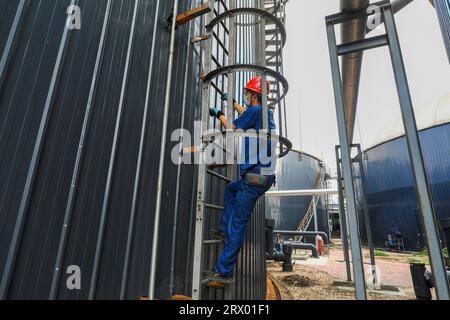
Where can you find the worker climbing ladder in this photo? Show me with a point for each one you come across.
(250, 17)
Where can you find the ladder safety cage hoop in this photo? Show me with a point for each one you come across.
(251, 67)
(285, 144)
(254, 11)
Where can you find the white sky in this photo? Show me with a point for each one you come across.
(307, 68)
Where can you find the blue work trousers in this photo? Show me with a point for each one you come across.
(240, 199)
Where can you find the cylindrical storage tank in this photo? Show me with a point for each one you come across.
(72, 139)
(297, 171)
(391, 193)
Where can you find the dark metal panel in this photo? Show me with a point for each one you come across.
(53, 180)
(21, 106)
(392, 197)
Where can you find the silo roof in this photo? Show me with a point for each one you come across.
(431, 114)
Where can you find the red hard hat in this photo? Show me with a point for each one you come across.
(255, 85)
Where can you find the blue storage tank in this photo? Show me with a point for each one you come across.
(391, 194)
(298, 170)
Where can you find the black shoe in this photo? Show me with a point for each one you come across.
(218, 235)
(214, 276)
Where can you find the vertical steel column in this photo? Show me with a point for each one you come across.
(366, 215)
(232, 37)
(179, 165)
(159, 187)
(358, 268)
(201, 184)
(416, 156)
(262, 37)
(231, 82)
(316, 225)
(342, 216)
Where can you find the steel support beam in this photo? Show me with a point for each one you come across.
(416, 157)
(414, 148)
(358, 268)
(343, 217)
(366, 214)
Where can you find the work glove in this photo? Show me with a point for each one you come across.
(214, 112)
(225, 98)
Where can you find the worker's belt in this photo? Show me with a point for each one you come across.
(256, 180)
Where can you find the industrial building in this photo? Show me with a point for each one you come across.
(98, 97)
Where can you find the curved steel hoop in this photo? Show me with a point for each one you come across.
(251, 67)
(285, 144)
(254, 11)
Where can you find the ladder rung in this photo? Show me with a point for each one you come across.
(185, 17)
(212, 206)
(272, 31)
(214, 166)
(274, 42)
(200, 38)
(213, 242)
(218, 175)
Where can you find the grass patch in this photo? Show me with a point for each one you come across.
(424, 253)
(415, 261)
(379, 253)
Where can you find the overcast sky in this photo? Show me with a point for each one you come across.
(310, 102)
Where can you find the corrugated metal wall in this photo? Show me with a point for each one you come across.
(72, 104)
(391, 193)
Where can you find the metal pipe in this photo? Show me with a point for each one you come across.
(177, 188)
(35, 158)
(162, 154)
(201, 181)
(358, 267)
(299, 193)
(304, 246)
(416, 157)
(304, 234)
(316, 226)
(351, 64)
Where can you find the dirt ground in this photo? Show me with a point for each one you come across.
(325, 278)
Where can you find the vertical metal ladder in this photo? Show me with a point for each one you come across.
(257, 24)
(304, 224)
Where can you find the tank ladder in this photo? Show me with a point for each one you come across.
(253, 17)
